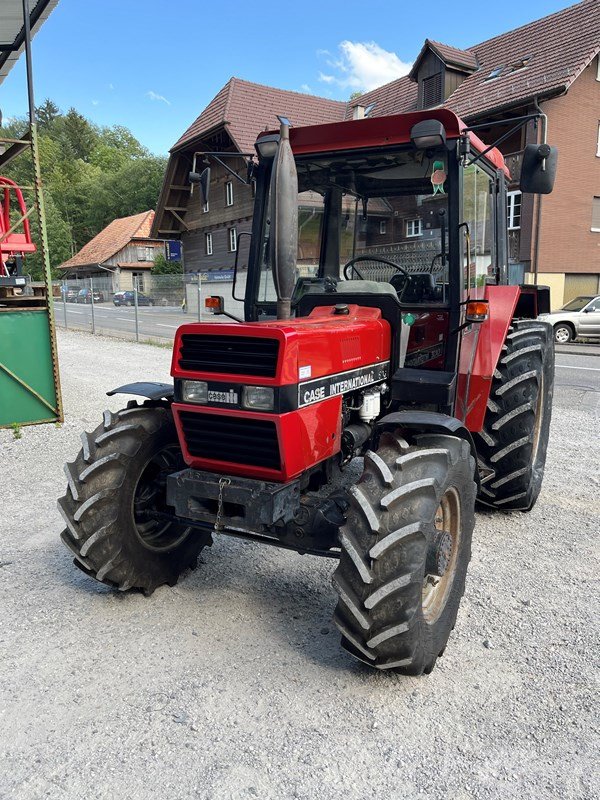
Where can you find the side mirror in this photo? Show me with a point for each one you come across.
(538, 170)
(202, 178)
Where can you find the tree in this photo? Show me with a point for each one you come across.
(91, 175)
(46, 113)
(164, 267)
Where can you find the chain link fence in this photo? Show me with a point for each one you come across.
(143, 307)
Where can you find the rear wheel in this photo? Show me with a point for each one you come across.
(405, 547)
(512, 445)
(563, 333)
(115, 485)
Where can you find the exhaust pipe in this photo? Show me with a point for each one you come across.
(284, 223)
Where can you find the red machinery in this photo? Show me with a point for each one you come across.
(14, 243)
(429, 367)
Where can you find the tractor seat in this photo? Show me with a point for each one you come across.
(366, 287)
(415, 288)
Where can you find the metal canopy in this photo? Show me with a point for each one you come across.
(12, 34)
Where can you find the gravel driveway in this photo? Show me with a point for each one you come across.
(232, 684)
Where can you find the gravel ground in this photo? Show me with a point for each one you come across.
(232, 684)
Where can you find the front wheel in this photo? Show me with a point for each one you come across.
(563, 334)
(115, 495)
(405, 549)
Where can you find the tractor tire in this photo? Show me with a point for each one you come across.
(512, 446)
(117, 477)
(405, 549)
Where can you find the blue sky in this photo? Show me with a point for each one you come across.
(153, 65)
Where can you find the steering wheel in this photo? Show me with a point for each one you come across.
(350, 266)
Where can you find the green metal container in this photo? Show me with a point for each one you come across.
(27, 377)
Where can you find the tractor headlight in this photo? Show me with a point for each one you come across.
(194, 391)
(258, 398)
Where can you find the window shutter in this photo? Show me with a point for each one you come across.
(432, 90)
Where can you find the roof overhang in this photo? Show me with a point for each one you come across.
(12, 33)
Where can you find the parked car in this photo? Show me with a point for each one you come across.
(85, 296)
(69, 294)
(580, 318)
(128, 299)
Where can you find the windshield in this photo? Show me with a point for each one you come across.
(389, 209)
(577, 304)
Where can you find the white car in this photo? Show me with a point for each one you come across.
(580, 318)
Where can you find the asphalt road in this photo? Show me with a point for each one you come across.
(232, 683)
(153, 321)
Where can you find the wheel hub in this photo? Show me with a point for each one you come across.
(441, 560)
(439, 554)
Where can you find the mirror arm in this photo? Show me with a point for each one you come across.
(521, 121)
(218, 157)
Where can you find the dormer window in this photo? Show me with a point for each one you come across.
(432, 90)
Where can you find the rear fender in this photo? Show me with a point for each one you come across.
(476, 370)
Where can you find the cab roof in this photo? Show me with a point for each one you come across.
(381, 132)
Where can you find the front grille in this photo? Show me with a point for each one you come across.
(239, 355)
(238, 440)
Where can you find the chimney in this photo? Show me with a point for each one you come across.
(358, 112)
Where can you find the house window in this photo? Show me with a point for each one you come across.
(145, 253)
(513, 200)
(432, 90)
(495, 73)
(209, 244)
(205, 208)
(232, 240)
(382, 226)
(138, 281)
(414, 227)
(229, 193)
(596, 214)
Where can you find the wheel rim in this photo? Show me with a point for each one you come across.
(562, 335)
(437, 589)
(151, 495)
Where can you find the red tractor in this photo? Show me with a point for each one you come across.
(380, 334)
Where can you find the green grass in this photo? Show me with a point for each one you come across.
(16, 429)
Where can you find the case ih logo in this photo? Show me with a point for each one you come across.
(230, 397)
(343, 382)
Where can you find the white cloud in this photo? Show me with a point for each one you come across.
(363, 66)
(327, 78)
(110, 86)
(154, 96)
(305, 88)
(95, 102)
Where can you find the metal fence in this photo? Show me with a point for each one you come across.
(150, 307)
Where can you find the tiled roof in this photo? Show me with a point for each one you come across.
(248, 108)
(454, 56)
(449, 55)
(112, 239)
(559, 47)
